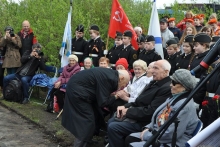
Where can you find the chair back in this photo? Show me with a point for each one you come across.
(52, 69)
(198, 128)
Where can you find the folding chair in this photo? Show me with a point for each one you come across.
(198, 128)
(49, 69)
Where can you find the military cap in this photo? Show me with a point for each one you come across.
(163, 20)
(127, 33)
(94, 27)
(188, 38)
(9, 28)
(171, 41)
(215, 38)
(140, 39)
(149, 38)
(80, 28)
(202, 37)
(211, 21)
(171, 19)
(177, 39)
(118, 34)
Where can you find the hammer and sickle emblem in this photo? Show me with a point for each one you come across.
(117, 16)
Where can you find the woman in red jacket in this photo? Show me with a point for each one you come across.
(182, 24)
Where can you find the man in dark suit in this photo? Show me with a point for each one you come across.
(86, 93)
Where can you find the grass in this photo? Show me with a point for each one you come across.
(34, 112)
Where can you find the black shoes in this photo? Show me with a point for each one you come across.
(25, 101)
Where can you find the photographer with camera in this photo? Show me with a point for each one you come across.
(31, 61)
(12, 42)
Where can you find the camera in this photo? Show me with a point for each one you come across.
(12, 34)
(39, 52)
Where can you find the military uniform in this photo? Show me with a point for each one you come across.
(95, 48)
(183, 61)
(113, 55)
(130, 54)
(172, 59)
(201, 38)
(196, 61)
(140, 51)
(150, 56)
(79, 44)
(114, 51)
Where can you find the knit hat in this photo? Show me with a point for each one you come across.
(73, 57)
(185, 78)
(123, 62)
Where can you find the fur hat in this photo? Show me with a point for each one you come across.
(73, 57)
(185, 78)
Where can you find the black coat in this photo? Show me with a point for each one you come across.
(130, 54)
(183, 61)
(96, 47)
(30, 64)
(172, 60)
(150, 56)
(85, 92)
(148, 101)
(196, 61)
(113, 54)
(140, 53)
(79, 45)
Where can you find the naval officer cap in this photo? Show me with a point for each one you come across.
(127, 33)
(202, 38)
(149, 38)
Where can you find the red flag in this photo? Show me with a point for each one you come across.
(119, 22)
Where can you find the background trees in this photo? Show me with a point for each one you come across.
(48, 18)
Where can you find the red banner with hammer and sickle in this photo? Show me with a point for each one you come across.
(119, 22)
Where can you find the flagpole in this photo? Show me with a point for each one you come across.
(106, 47)
(71, 4)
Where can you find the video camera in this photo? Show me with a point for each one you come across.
(39, 52)
(12, 34)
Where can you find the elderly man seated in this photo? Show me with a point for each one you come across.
(31, 61)
(182, 84)
(133, 116)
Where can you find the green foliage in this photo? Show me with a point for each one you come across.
(48, 18)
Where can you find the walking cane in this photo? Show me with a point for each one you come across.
(59, 114)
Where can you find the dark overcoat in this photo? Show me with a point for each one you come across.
(85, 91)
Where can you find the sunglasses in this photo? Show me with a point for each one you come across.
(174, 82)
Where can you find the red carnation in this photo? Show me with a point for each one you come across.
(215, 97)
(205, 103)
(81, 64)
(131, 70)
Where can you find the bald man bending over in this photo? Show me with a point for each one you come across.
(87, 92)
(27, 37)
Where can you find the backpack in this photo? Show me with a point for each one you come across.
(13, 91)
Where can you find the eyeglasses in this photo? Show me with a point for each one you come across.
(174, 82)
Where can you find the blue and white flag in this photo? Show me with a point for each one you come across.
(154, 29)
(65, 50)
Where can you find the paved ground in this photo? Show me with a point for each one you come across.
(18, 132)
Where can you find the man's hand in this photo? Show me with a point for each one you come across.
(121, 111)
(123, 95)
(57, 85)
(142, 133)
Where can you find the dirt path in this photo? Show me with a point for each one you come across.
(18, 132)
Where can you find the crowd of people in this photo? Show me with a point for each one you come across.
(136, 88)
